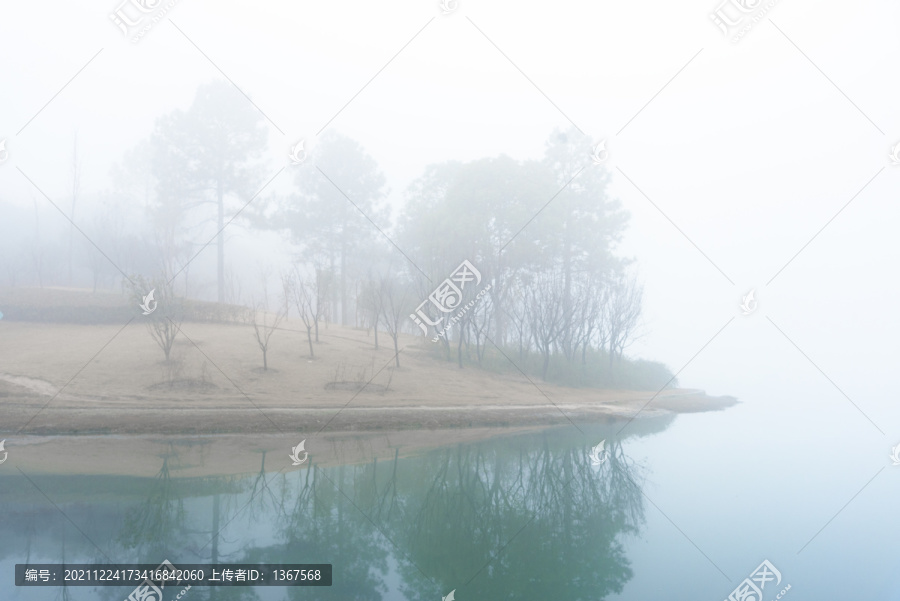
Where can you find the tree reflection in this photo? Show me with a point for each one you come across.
(528, 517)
(323, 525)
(525, 517)
(161, 527)
(152, 526)
(537, 523)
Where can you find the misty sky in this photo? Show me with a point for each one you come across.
(748, 151)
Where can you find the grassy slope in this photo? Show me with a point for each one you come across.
(114, 376)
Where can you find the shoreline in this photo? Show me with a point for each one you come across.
(185, 456)
(73, 415)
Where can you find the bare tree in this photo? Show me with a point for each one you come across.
(548, 315)
(166, 310)
(264, 328)
(323, 285)
(470, 320)
(370, 302)
(304, 296)
(480, 324)
(588, 324)
(623, 313)
(396, 300)
(164, 331)
(518, 317)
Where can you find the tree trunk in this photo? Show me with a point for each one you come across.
(445, 342)
(309, 339)
(214, 558)
(74, 199)
(221, 241)
(396, 349)
(343, 277)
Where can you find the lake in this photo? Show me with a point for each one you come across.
(682, 507)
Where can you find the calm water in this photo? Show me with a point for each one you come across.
(683, 508)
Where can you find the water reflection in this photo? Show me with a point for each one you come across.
(524, 516)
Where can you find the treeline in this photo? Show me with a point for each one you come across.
(496, 262)
(541, 288)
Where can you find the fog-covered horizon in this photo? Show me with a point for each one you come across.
(748, 149)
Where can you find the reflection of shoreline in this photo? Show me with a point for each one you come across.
(223, 454)
(193, 456)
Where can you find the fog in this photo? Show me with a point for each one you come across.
(395, 238)
(729, 158)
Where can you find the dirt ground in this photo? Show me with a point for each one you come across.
(105, 379)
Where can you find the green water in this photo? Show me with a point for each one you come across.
(670, 514)
(520, 516)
